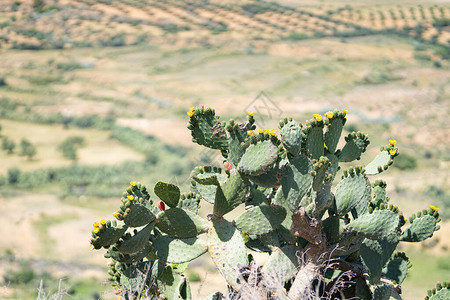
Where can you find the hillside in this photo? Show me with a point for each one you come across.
(121, 76)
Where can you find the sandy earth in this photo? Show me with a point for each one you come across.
(177, 135)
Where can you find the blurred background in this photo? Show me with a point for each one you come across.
(94, 94)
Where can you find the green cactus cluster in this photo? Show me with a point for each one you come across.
(313, 231)
(440, 292)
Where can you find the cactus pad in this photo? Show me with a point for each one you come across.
(207, 191)
(357, 143)
(108, 234)
(137, 215)
(379, 194)
(261, 219)
(351, 191)
(227, 249)
(377, 225)
(180, 223)
(375, 254)
(382, 292)
(397, 268)
(136, 242)
(379, 163)
(258, 158)
(314, 138)
(332, 227)
(320, 168)
(231, 193)
(207, 130)
(270, 179)
(190, 202)
(334, 130)
(291, 137)
(236, 135)
(282, 264)
(169, 193)
(175, 285)
(440, 292)
(114, 253)
(296, 180)
(172, 250)
(257, 198)
(420, 229)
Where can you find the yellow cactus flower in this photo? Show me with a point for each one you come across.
(192, 108)
(251, 113)
(317, 117)
(345, 111)
(130, 197)
(392, 142)
(273, 132)
(133, 183)
(190, 113)
(260, 130)
(92, 247)
(103, 222)
(329, 115)
(392, 152)
(116, 214)
(434, 208)
(250, 132)
(405, 219)
(95, 224)
(96, 230)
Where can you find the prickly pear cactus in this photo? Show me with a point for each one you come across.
(322, 239)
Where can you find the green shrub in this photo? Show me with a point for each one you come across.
(13, 176)
(8, 145)
(70, 146)
(406, 162)
(69, 66)
(22, 276)
(27, 149)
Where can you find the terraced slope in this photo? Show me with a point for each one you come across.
(86, 23)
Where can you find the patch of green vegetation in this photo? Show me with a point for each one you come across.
(44, 79)
(9, 109)
(377, 76)
(405, 162)
(27, 282)
(69, 65)
(296, 36)
(27, 149)
(255, 8)
(70, 146)
(162, 161)
(193, 276)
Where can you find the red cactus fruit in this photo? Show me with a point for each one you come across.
(227, 165)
